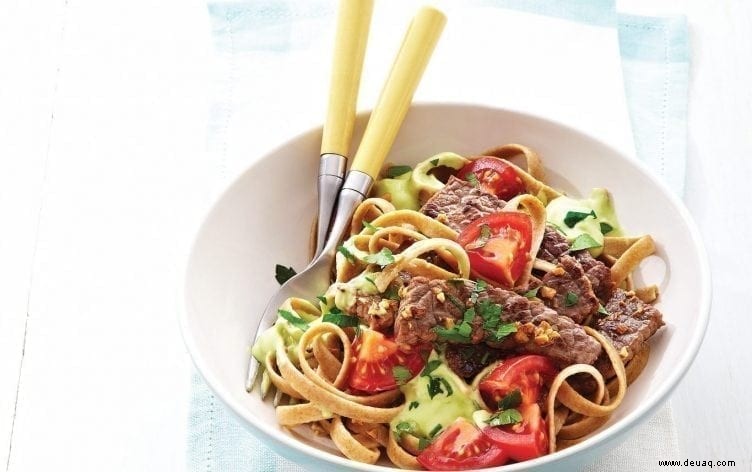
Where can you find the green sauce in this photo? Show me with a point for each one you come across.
(442, 409)
(281, 332)
(599, 203)
(405, 191)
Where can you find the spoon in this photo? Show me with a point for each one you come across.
(381, 131)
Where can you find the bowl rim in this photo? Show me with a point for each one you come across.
(644, 410)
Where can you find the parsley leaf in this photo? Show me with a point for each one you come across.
(491, 314)
(392, 292)
(404, 427)
(504, 417)
(434, 386)
(323, 299)
(606, 228)
(448, 387)
(453, 334)
(473, 179)
(370, 280)
(396, 171)
(401, 374)
(485, 235)
(430, 367)
(283, 274)
(423, 443)
(435, 430)
(435, 162)
(532, 293)
(294, 320)
(370, 227)
(382, 258)
(343, 321)
(584, 241)
(511, 400)
(602, 310)
(413, 405)
(345, 252)
(505, 330)
(574, 217)
(571, 299)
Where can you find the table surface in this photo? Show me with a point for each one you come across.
(84, 326)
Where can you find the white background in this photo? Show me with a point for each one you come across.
(75, 112)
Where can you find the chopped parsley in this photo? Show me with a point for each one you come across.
(343, 321)
(294, 320)
(485, 235)
(446, 385)
(584, 241)
(606, 228)
(370, 227)
(401, 374)
(571, 299)
(602, 310)
(381, 258)
(392, 292)
(423, 443)
(322, 299)
(574, 217)
(283, 274)
(532, 293)
(413, 405)
(454, 334)
(505, 330)
(396, 171)
(473, 179)
(345, 252)
(432, 365)
(434, 386)
(435, 162)
(370, 280)
(404, 427)
(511, 400)
(435, 430)
(504, 417)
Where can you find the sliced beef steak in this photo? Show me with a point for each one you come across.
(629, 323)
(377, 312)
(468, 360)
(427, 304)
(553, 245)
(598, 274)
(574, 295)
(459, 203)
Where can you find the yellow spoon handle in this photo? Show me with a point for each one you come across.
(349, 51)
(390, 111)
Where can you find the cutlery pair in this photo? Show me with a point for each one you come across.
(339, 197)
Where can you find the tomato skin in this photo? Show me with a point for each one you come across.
(376, 356)
(503, 257)
(494, 176)
(526, 373)
(462, 446)
(523, 441)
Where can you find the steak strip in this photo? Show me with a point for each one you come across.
(428, 304)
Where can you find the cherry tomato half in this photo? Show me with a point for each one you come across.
(498, 245)
(525, 440)
(376, 356)
(526, 373)
(462, 446)
(494, 176)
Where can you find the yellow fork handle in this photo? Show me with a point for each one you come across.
(349, 51)
(390, 111)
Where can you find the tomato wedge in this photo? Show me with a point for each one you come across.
(525, 440)
(494, 176)
(462, 446)
(376, 359)
(498, 245)
(526, 373)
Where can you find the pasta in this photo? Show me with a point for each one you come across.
(493, 311)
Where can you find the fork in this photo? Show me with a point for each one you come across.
(381, 131)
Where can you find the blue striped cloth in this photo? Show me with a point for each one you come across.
(655, 63)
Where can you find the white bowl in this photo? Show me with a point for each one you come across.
(265, 216)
